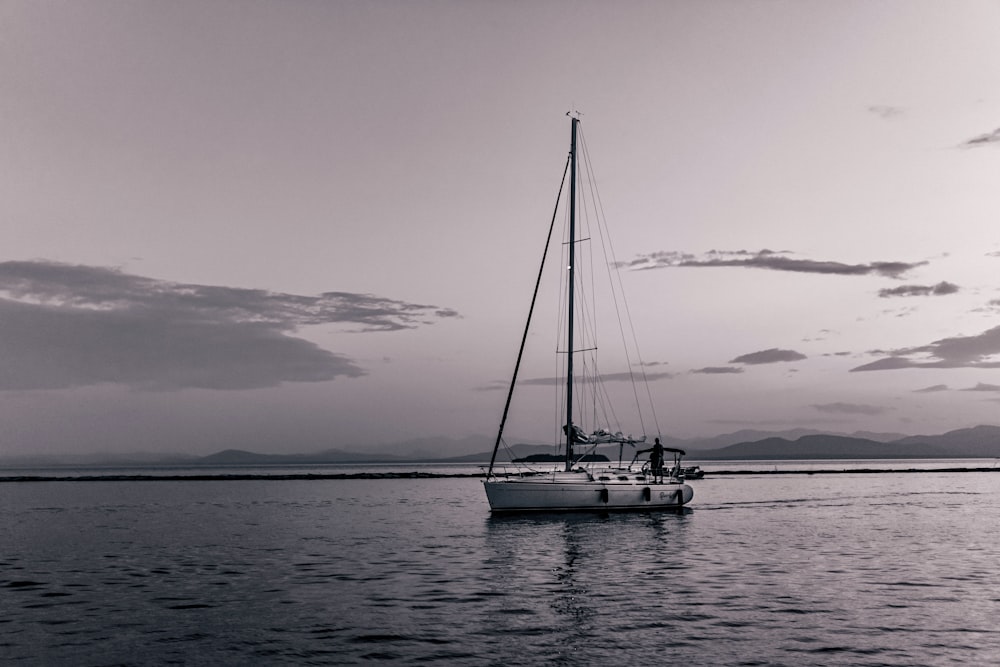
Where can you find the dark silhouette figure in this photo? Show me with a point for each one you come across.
(655, 459)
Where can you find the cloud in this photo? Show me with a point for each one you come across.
(991, 307)
(982, 386)
(887, 364)
(64, 325)
(624, 376)
(885, 111)
(849, 409)
(957, 352)
(983, 139)
(774, 355)
(941, 289)
(553, 381)
(494, 385)
(718, 370)
(932, 389)
(627, 377)
(766, 259)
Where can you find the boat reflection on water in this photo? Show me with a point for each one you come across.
(579, 575)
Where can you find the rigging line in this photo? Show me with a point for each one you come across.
(614, 263)
(606, 241)
(606, 403)
(590, 383)
(590, 311)
(591, 380)
(600, 400)
(527, 325)
(561, 359)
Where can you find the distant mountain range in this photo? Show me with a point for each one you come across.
(976, 442)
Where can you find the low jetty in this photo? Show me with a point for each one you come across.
(241, 477)
(235, 477)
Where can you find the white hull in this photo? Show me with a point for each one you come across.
(576, 491)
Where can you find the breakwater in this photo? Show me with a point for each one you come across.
(239, 477)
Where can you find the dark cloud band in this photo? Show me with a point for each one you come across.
(849, 409)
(718, 370)
(941, 289)
(978, 351)
(772, 356)
(988, 139)
(553, 381)
(67, 325)
(767, 259)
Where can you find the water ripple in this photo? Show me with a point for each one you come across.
(800, 570)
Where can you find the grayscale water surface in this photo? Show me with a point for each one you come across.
(847, 569)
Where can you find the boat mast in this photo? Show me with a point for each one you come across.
(572, 279)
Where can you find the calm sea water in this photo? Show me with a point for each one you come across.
(811, 569)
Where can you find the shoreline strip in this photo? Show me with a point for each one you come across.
(239, 477)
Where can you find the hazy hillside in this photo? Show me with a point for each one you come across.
(978, 441)
(975, 442)
(241, 457)
(437, 448)
(821, 447)
(751, 435)
(742, 436)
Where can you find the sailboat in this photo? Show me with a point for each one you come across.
(578, 485)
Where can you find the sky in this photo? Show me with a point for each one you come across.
(292, 226)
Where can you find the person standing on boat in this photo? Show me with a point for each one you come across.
(655, 459)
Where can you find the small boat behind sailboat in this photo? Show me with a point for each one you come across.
(579, 485)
